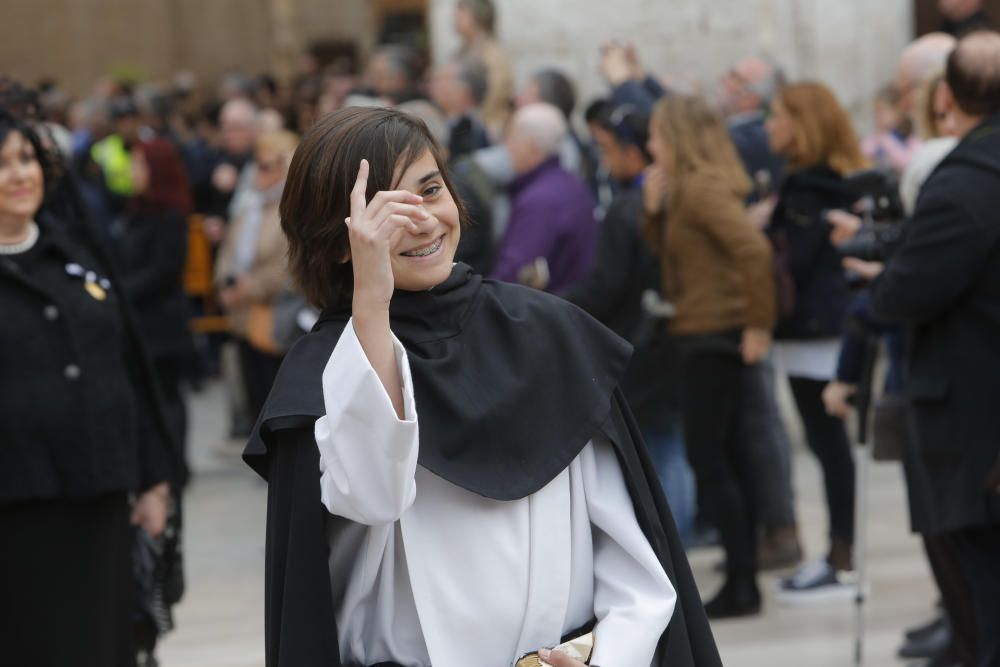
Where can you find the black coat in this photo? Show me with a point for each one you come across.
(750, 137)
(612, 292)
(74, 395)
(467, 135)
(821, 290)
(943, 283)
(208, 199)
(475, 246)
(152, 249)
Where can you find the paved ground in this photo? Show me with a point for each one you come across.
(220, 621)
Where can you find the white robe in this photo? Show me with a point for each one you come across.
(440, 576)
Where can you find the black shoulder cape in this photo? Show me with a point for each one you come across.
(510, 385)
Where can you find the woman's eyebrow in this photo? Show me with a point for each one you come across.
(427, 177)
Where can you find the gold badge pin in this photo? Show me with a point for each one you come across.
(95, 290)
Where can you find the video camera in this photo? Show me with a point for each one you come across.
(881, 215)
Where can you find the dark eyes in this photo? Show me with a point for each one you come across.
(23, 158)
(431, 191)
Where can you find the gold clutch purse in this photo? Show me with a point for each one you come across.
(579, 648)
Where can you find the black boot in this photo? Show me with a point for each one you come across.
(928, 645)
(739, 596)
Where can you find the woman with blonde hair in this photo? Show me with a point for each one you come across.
(810, 128)
(717, 273)
(252, 267)
(938, 140)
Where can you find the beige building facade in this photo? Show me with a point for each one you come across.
(78, 41)
(850, 44)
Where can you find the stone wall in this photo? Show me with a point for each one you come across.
(850, 44)
(77, 41)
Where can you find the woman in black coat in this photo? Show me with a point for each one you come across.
(813, 132)
(151, 243)
(78, 461)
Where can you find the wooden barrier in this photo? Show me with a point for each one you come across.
(198, 279)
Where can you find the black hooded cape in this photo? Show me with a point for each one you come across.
(510, 385)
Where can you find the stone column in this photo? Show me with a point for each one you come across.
(286, 42)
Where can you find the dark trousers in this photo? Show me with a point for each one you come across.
(66, 585)
(259, 370)
(169, 372)
(770, 451)
(956, 596)
(827, 439)
(978, 551)
(712, 378)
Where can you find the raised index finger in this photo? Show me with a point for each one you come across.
(358, 202)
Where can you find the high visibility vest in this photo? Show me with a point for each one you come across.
(116, 163)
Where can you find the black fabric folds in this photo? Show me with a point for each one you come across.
(510, 383)
(300, 618)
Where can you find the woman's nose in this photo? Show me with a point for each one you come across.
(19, 172)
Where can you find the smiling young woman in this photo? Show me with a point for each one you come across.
(483, 494)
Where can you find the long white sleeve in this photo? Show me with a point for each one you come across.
(367, 455)
(633, 597)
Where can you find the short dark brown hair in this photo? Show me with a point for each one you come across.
(316, 198)
(973, 73)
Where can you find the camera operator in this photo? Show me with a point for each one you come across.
(810, 128)
(943, 283)
(860, 250)
(942, 640)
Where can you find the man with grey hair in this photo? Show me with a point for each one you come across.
(552, 232)
(458, 88)
(238, 130)
(392, 74)
(746, 91)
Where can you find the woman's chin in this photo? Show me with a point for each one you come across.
(422, 276)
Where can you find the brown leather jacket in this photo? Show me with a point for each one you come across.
(717, 268)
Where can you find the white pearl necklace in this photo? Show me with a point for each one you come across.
(22, 246)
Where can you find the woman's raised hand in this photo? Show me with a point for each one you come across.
(755, 344)
(375, 229)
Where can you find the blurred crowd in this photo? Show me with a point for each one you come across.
(730, 232)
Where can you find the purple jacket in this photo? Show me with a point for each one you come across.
(552, 216)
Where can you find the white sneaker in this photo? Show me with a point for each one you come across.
(816, 582)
